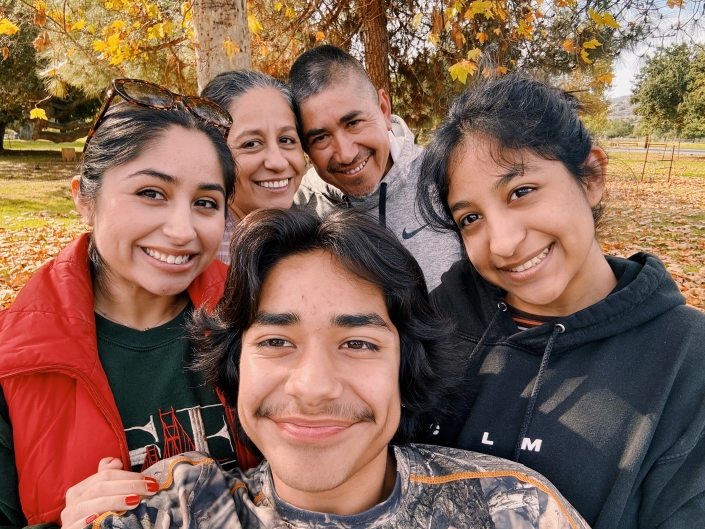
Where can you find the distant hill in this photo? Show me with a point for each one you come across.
(621, 109)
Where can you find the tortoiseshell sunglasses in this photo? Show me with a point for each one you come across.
(152, 95)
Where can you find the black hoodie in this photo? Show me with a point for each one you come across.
(616, 419)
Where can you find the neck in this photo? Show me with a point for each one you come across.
(238, 211)
(369, 486)
(389, 165)
(139, 310)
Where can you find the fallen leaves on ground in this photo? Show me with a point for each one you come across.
(664, 218)
(24, 250)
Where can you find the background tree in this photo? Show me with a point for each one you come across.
(19, 83)
(693, 105)
(423, 51)
(429, 41)
(661, 86)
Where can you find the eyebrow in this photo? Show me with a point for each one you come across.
(173, 180)
(347, 117)
(513, 172)
(462, 205)
(348, 321)
(359, 320)
(157, 174)
(271, 318)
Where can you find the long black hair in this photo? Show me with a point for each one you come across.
(428, 372)
(514, 112)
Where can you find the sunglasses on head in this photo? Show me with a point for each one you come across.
(146, 94)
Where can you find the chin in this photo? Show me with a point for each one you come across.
(312, 477)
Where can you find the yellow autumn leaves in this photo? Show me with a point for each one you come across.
(520, 27)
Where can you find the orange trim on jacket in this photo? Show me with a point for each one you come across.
(63, 414)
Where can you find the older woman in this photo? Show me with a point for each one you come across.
(264, 141)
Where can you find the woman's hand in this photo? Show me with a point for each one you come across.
(110, 489)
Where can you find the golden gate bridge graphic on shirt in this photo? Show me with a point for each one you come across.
(176, 438)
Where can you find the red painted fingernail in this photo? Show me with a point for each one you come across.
(152, 485)
(132, 500)
(91, 518)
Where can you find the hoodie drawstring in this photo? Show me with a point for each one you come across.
(558, 328)
(383, 204)
(502, 308)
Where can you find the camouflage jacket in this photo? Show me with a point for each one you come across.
(436, 488)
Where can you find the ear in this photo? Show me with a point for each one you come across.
(597, 161)
(385, 106)
(83, 207)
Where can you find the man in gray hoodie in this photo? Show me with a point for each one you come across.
(363, 156)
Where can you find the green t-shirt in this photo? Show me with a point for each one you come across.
(165, 407)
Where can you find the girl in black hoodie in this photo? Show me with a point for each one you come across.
(587, 368)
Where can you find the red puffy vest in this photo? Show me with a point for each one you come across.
(63, 414)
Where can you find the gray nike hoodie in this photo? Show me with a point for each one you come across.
(393, 202)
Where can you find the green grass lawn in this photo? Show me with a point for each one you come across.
(41, 145)
(34, 185)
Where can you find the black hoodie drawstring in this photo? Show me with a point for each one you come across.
(557, 329)
(502, 308)
(383, 204)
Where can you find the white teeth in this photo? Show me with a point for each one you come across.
(171, 259)
(357, 169)
(532, 262)
(274, 184)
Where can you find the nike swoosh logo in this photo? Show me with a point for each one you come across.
(409, 234)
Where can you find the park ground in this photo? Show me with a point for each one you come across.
(653, 213)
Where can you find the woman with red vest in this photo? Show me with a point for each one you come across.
(93, 361)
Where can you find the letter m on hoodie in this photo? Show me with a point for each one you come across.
(528, 444)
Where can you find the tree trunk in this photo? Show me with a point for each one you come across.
(216, 22)
(376, 41)
(2, 136)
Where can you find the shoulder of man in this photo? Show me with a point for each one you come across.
(316, 196)
(516, 497)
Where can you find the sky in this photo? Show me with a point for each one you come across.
(625, 69)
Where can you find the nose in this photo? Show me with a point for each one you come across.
(274, 160)
(345, 150)
(505, 233)
(179, 226)
(314, 379)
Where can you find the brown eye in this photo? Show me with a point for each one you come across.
(468, 219)
(521, 192)
(359, 344)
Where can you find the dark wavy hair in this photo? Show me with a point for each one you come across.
(515, 113)
(429, 368)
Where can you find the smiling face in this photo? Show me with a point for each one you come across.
(346, 132)
(158, 219)
(318, 388)
(267, 151)
(528, 228)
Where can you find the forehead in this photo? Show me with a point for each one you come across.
(335, 101)
(186, 154)
(259, 102)
(484, 156)
(315, 285)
